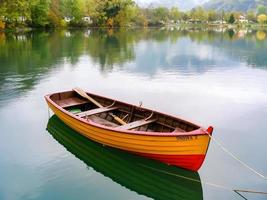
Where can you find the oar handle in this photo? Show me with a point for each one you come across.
(118, 119)
(83, 94)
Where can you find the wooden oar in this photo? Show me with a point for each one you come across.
(86, 96)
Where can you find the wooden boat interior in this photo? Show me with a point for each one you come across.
(136, 118)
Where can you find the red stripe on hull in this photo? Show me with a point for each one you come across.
(190, 162)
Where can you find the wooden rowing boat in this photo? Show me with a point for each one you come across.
(144, 132)
(146, 177)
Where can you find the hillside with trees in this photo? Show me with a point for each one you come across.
(235, 5)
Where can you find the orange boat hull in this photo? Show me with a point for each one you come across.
(186, 150)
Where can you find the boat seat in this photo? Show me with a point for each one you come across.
(74, 101)
(101, 121)
(95, 111)
(136, 124)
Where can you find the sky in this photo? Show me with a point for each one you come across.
(181, 4)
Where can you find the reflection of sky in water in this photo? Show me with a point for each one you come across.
(184, 56)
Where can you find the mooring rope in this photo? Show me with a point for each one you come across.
(190, 179)
(237, 191)
(248, 191)
(237, 159)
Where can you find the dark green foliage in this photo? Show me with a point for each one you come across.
(231, 19)
(261, 9)
(231, 33)
(39, 13)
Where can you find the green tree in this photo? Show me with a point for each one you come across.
(39, 12)
(198, 14)
(140, 19)
(231, 19)
(185, 16)
(125, 15)
(262, 9)
(2, 8)
(212, 15)
(114, 12)
(251, 16)
(75, 9)
(175, 14)
(160, 15)
(90, 7)
(2, 14)
(17, 12)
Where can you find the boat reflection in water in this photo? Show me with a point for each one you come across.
(144, 176)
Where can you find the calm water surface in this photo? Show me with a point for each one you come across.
(214, 78)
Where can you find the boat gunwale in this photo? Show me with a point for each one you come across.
(199, 131)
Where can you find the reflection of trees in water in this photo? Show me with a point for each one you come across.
(110, 47)
(25, 58)
(187, 51)
(231, 33)
(28, 57)
(246, 46)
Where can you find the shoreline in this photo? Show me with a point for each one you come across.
(178, 26)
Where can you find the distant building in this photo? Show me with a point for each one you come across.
(68, 19)
(219, 22)
(194, 21)
(22, 19)
(242, 19)
(87, 19)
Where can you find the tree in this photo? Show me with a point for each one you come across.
(55, 14)
(90, 7)
(251, 16)
(39, 12)
(140, 19)
(262, 19)
(212, 15)
(114, 12)
(175, 14)
(262, 9)
(2, 14)
(2, 8)
(160, 15)
(17, 12)
(231, 19)
(198, 14)
(185, 16)
(75, 9)
(125, 15)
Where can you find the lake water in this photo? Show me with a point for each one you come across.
(211, 77)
